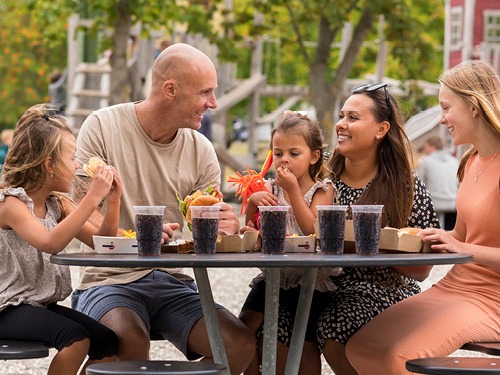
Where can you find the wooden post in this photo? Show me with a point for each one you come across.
(254, 104)
(73, 59)
(382, 50)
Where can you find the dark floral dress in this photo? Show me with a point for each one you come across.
(364, 292)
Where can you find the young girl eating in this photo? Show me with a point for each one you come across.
(297, 149)
(34, 224)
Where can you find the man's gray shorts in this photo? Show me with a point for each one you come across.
(169, 306)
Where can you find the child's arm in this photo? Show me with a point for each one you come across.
(15, 215)
(259, 198)
(304, 214)
(107, 224)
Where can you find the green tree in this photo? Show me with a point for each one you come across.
(413, 31)
(305, 34)
(29, 55)
(113, 19)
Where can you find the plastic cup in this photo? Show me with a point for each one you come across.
(149, 228)
(205, 224)
(273, 228)
(366, 221)
(331, 220)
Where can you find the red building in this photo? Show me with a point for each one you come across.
(472, 31)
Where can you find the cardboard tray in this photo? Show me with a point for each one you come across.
(246, 242)
(235, 243)
(391, 240)
(232, 243)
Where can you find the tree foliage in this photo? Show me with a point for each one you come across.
(308, 32)
(301, 41)
(29, 53)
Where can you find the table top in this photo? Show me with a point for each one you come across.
(249, 260)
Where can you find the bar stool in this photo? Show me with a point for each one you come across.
(156, 368)
(20, 349)
(454, 366)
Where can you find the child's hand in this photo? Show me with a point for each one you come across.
(101, 183)
(116, 189)
(263, 198)
(249, 227)
(286, 179)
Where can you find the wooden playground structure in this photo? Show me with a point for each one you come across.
(89, 86)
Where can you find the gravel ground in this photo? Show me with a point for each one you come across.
(230, 287)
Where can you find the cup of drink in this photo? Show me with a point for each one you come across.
(149, 228)
(366, 220)
(273, 228)
(205, 224)
(331, 221)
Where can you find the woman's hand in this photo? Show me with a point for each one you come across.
(442, 241)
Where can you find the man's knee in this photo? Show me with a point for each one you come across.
(132, 332)
(238, 338)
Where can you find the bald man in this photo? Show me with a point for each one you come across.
(158, 152)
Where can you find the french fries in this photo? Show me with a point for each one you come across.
(128, 233)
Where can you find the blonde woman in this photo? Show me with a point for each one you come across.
(464, 306)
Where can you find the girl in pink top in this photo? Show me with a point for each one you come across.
(465, 305)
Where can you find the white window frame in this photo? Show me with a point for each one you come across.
(456, 28)
(491, 29)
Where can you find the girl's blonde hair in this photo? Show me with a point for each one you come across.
(476, 82)
(37, 136)
(300, 124)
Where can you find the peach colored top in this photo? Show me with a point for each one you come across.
(463, 307)
(479, 203)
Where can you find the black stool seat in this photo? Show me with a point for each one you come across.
(454, 365)
(156, 368)
(19, 349)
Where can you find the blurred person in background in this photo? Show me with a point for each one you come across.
(5, 142)
(206, 125)
(438, 169)
(57, 90)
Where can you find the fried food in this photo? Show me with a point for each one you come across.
(92, 164)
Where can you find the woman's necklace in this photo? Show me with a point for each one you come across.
(487, 165)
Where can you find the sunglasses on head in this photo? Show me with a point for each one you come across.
(51, 112)
(370, 87)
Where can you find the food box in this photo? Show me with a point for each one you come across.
(183, 246)
(391, 240)
(300, 244)
(232, 243)
(115, 245)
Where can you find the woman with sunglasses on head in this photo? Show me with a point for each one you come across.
(372, 164)
(463, 306)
